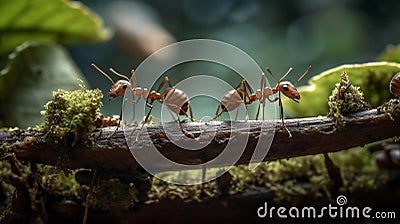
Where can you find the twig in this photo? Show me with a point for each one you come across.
(89, 196)
(310, 136)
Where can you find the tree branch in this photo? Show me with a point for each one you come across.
(310, 136)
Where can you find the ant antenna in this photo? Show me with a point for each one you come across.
(272, 74)
(119, 74)
(102, 72)
(134, 77)
(287, 73)
(302, 76)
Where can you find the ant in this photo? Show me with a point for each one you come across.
(244, 94)
(121, 86)
(101, 121)
(232, 99)
(176, 100)
(287, 89)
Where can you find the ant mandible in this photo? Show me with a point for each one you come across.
(287, 89)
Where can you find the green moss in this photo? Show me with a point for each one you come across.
(299, 176)
(60, 184)
(345, 99)
(391, 108)
(289, 179)
(72, 113)
(112, 194)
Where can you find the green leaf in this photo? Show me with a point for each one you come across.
(58, 21)
(373, 79)
(33, 72)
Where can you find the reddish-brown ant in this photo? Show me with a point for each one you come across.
(101, 121)
(288, 89)
(176, 100)
(244, 94)
(395, 84)
(234, 98)
(121, 86)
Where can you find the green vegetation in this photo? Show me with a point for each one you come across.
(345, 99)
(373, 79)
(73, 113)
(70, 22)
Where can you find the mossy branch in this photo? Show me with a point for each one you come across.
(312, 135)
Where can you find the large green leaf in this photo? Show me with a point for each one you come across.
(58, 21)
(373, 79)
(34, 70)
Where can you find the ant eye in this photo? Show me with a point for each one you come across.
(285, 87)
(116, 92)
(125, 86)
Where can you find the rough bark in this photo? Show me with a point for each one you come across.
(310, 136)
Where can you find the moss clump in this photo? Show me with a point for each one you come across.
(391, 108)
(307, 176)
(112, 194)
(345, 99)
(161, 190)
(72, 113)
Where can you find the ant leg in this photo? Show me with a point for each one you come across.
(217, 114)
(145, 120)
(166, 79)
(120, 115)
(247, 92)
(191, 113)
(186, 133)
(263, 111)
(282, 118)
(273, 100)
(258, 112)
(237, 113)
(119, 123)
(133, 102)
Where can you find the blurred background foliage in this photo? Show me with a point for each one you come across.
(278, 34)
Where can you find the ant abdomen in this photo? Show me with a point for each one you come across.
(395, 84)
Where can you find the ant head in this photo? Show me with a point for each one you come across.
(289, 90)
(118, 89)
